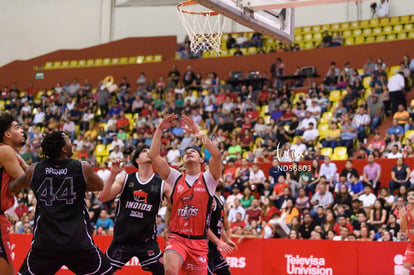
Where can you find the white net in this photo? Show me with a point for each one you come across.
(203, 26)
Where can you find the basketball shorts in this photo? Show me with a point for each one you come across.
(147, 254)
(409, 253)
(193, 253)
(5, 251)
(80, 261)
(216, 261)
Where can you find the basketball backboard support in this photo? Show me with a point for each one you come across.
(274, 18)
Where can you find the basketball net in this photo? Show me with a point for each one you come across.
(203, 26)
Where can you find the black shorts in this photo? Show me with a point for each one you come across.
(80, 261)
(147, 254)
(216, 261)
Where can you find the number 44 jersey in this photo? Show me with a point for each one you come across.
(62, 218)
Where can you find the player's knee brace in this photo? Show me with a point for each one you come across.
(156, 268)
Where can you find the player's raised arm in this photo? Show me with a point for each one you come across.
(161, 166)
(214, 164)
(21, 182)
(9, 162)
(113, 184)
(403, 217)
(93, 181)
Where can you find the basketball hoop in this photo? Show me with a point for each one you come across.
(203, 26)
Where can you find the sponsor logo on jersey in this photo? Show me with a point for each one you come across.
(194, 267)
(150, 253)
(131, 184)
(140, 196)
(187, 212)
(187, 198)
(138, 206)
(180, 188)
(199, 189)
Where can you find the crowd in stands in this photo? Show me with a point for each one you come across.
(251, 124)
(236, 45)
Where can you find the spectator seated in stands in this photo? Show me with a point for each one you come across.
(349, 133)
(257, 40)
(238, 221)
(362, 121)
(104, 223)
(393, 140)
(348, 171)
(337, 40)
(328, 170)
(376, 110)
(342, 221)
(314, 109)
(322, 198)
(256, 177)
(236, 209)
(402, 116)
(254, 212)
(367, 198)
(400, 175)
(377, 143)
(310, 135)
(395, 152)
(372, 173)
(231, 41)
(331, 80)
(305, 124)
(307, 226)
(326, 39)
(350, 99)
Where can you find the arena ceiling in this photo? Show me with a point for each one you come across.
(135, 3)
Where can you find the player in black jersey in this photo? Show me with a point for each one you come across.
(140, 196)
(61, 230)
(219, 227)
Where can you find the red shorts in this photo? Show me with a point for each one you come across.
(193, 252)
(5, 251)
(409, 253)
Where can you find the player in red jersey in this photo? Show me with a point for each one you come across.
(191, 197)
(407, 224)
(11, 139)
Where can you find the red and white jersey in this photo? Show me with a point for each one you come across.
(191, 204)
(6, 198)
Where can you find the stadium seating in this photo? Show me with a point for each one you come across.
(326, 151)
(340, 153)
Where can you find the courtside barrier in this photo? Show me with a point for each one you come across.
(279, 256)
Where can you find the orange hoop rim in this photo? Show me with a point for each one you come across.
(189, 3)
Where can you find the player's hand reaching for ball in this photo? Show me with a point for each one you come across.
(166, 121)
(189, 125)
(402, 212)
(117, 167)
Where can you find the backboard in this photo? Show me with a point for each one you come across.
(274, 18)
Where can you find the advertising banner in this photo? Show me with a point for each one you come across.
(277, 256)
